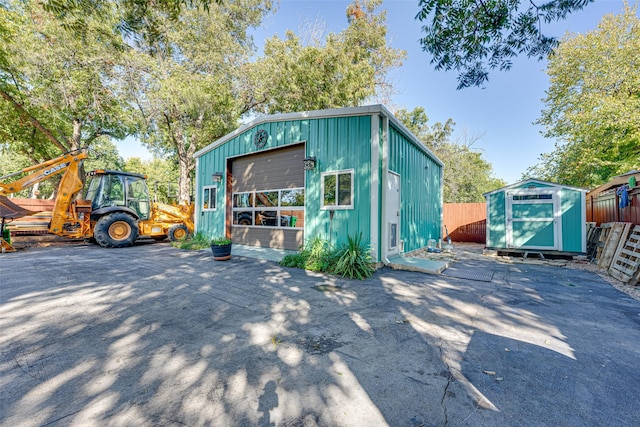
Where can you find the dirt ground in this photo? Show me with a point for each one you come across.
(469, 251)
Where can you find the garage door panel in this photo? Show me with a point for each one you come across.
(270, 170)
(257, 218)
(268, 237)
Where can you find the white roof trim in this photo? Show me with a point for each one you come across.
(539, 181)
(321, 114)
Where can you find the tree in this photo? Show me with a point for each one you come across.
(467, 176)
(186, 82)
(343, 70)
(197, 79)
(58, 88)
(593, 104)
(137, 16)
(104, 155)
(162, 177)
(475, 36)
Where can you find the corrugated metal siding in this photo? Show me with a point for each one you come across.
(497, 228)
(420, 186)
(605, 207)
(572, 220)
(280, 134)
(337, 143)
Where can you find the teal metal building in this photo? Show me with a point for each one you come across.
(284, 179)
(537, 215)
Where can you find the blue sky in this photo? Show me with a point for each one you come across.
(502, 112)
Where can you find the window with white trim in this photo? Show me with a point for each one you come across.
(337, 189)
(209, 194)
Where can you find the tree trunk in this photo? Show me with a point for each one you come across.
(186, 147)
(77, 134)
(184, 182)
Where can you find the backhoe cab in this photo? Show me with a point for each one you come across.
(121, 211)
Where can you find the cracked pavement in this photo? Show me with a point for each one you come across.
(151, 335)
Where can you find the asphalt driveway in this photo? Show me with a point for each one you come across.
(155, 336)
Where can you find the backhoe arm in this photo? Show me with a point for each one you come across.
(69, 218)
(41, 172)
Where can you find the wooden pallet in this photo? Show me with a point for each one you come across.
(593, 237)
(626, 266)
(613, 234)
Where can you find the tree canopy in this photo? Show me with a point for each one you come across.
(344, 69)
(467, 176)
(473, 37)
(59, 88)
(194, 82)
(187, 82)
(593, 104)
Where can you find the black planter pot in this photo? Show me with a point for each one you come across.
(221, 252)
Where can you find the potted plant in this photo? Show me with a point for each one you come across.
(221, 248)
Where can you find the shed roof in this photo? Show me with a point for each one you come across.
(616, 181)
(532, 180)
(323, 114)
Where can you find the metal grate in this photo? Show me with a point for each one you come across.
(469, 273)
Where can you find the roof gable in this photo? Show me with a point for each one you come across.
(321, 114)
(533, 183)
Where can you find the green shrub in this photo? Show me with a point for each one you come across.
(293, 260)
(193, 243)
(220, 241)
(317, 255)
(353, 259)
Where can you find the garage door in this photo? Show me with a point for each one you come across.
(268, 198)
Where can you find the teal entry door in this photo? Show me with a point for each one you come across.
(532, 219)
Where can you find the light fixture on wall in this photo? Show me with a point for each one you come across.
(309, 163)
(217, 177)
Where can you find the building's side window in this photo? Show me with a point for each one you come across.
(209, 198)
(337, 189)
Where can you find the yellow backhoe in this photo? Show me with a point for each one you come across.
(115, 211)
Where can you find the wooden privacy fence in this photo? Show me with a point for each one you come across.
(466, 222)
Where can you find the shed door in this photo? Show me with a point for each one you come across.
(532, 220)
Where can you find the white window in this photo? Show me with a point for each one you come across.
(337, 189)
(209, 198)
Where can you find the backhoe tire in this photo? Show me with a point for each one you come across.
(178, 232)
(116, 230)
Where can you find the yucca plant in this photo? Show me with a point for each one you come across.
(353, 259)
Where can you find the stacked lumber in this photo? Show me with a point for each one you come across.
(626, 264)
(31, 223)
(37, 223)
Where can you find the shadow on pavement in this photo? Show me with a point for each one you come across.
(151, 335)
